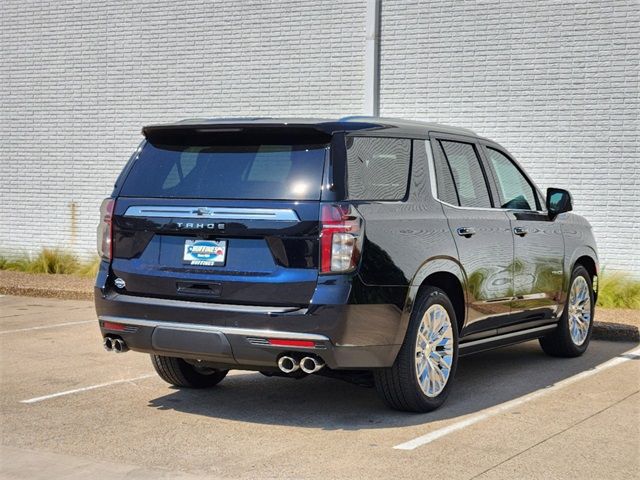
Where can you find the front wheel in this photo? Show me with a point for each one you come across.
(420, 378)
(572, 336)
(179, 373)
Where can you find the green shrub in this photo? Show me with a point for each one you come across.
(89, 269)
(51, 261)
(618, 290)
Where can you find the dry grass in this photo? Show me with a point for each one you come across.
(51, 261)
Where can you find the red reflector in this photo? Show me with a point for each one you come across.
(113, 326)
(291, 343)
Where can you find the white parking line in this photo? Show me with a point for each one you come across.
(84, 389)
(55, 325)
(633, 354)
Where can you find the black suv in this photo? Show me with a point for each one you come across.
(360, 248)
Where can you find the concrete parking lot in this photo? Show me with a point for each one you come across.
(70, 409)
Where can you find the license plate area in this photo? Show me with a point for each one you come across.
(205, 252)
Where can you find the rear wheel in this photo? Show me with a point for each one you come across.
(182, 374)
(572, 336)
(420, 378)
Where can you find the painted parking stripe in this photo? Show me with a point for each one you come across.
(84, 389)
(633, 354)
(42, 327)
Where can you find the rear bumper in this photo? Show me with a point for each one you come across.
(237, 336)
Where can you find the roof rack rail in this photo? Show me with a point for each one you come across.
(416, 123)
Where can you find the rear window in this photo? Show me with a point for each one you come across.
(269, 172)
(377, 168)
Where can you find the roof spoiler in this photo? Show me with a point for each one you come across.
(235, 133)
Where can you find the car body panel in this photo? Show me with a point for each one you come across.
(360, 317)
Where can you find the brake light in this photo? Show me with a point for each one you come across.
(283, 342)
(114, 326)
(105, 229)
(340, 238)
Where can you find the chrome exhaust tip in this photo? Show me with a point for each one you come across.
(107, 343)
(288, 364)
(119, 346)
(311, 364)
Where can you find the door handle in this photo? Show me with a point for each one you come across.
(520, 231)
(466, 232)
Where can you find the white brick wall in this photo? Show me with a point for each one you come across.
(78, 79)
(556, 83)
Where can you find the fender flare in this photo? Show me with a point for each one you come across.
(430, 266)
(580, 251)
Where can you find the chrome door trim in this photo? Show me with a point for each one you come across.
(434, 188)
(217, 213)
(248, 332)
(504, 336)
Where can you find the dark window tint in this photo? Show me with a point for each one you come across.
(274, 172)
(444, 179)
(471, 185)
(515, 190)
(377, 168)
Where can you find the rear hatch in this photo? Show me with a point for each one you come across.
(222, 215)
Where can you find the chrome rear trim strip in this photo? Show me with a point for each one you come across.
(197, 327)
(217, 213)
(505, 336)
(218, 307)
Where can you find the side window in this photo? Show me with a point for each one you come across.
(377, 168)
(515, 190)
(444, 179)
(467, 173)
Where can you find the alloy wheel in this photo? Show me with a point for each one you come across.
(434, 350)
(579, 310)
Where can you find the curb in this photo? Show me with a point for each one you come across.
(616, 332)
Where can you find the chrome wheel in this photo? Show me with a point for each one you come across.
(579, 310)
(434, 350)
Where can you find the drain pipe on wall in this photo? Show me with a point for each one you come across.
(372, 59)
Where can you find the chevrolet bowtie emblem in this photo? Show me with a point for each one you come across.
(203, 211)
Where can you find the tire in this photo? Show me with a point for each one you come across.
(564, 341)
(179, 373)
(399, 386)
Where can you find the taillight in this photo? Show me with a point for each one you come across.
(340, 238)
(105, 229)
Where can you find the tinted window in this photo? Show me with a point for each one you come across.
(470, 183)
(444, 180)
(515, 190)
(377, 168)
(278, 172)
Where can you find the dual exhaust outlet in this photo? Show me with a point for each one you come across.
(114, 345)
(288, 364)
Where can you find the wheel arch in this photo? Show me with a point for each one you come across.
(445, 273)
(587, 258)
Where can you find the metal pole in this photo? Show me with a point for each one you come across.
(372, 59)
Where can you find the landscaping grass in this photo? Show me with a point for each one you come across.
(618, 290)
(51, 260)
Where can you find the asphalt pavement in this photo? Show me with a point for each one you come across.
(68, 409)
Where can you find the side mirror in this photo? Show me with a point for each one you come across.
(558, 201)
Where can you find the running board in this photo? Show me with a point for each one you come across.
(510, 338)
